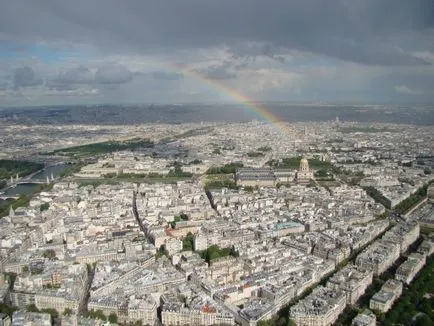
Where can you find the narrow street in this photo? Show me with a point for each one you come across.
(143, 227)
(82, 308)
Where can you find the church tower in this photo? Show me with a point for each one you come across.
(304, 173)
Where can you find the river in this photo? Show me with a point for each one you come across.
(28, 188)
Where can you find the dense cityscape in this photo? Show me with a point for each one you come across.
(216, 223)
(217, 162)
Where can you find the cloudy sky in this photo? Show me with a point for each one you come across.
(172, 51)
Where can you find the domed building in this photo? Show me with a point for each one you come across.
(304, 173)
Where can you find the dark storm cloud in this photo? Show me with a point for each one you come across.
(25, 77)
(113, 75)
(252, 50)
(218, 73)
(365, 31)
(161, 75)
(78, 75)
(108, 74)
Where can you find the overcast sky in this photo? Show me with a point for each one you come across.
(172, 51)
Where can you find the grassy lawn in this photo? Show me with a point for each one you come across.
(105, 147)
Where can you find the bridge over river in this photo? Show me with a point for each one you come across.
(6, 197)
(29, 183)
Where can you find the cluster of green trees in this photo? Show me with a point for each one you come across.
(53, 312)
(44, 207)
(226, 169)
(408, 203)
(255, 154)
(93, 183)
(132, 175)
(250, 189)
(195, 162)
(70, 170)
(162, 251)
(377, 196)
(280, 319)
(215, 252)
(7, 310)
(11, 277)
(107, 147)
(97, 314)
(218, 184)
(194, 132)
(49, 253)
(347, 176)
(51, 286)
(67, 312)
(294, 163)
(324, 175)
(179, 218)
(178, 173)
(23, 200)
(43, 187)
(10, 168)
(414, 301)
(113, 318)
(188, 242)
(347, 316)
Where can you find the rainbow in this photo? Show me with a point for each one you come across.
(236, 95)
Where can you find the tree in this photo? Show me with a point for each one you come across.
(11, 277)
(113, 318)
(321, 174)
(423, 321)
(188, 242)
(162, 251)
(214, 252)
(44, 207)
(97, 314)
(49, 253)
(67, 312)
(179, 218)
(233, 252)
(250, 189)
(7, 310)
(32, 308)
(53, 312)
